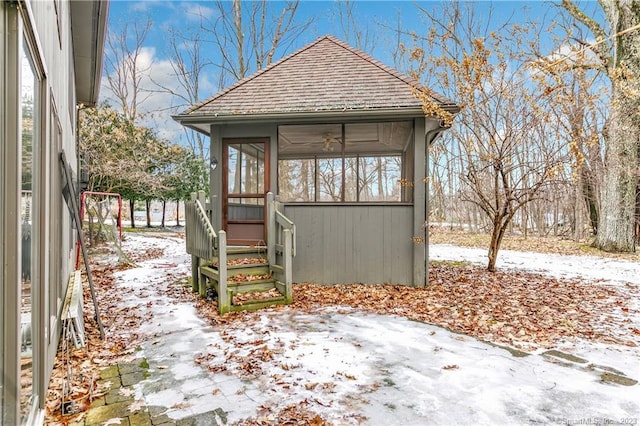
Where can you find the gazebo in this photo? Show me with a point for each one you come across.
(340, 141)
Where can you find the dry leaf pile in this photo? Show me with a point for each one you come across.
(523, 310)
(520, 309)
(248, 277)
(295, 414)
(244, 261)
(241, 298)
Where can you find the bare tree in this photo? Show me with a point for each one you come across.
(579, 99)
(618, 50)
(185, 50)
(124, 68)
(356, 31)
(504, 134)
(249, 35)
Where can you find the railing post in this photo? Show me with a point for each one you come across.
(201, 197)
(271, 229)
(195, 273)
(288, 271)
(224, 304)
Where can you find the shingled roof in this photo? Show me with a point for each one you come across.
(325, 76)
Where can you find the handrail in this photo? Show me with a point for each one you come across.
(281, 245)
(286, 223)
(201, 239)
(283, 220)
(205, 220)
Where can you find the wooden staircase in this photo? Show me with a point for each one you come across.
(241, 278)
(250, 282)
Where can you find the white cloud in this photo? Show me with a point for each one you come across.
(573, 53)
(196, 11)
(155, 102)
(145, 6)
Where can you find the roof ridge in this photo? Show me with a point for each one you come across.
(255, 75)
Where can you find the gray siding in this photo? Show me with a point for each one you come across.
(353, 243)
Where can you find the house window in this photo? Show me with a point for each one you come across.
(56, 282)
(350, 162)
(29, 127)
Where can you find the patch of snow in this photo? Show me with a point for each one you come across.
(352, 367)
(555, 265)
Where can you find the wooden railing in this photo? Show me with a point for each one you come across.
(201, 239)
(206, 247)
(281, 242)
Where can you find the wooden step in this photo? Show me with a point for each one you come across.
(214, 274)
(249, 257)
(258, 295)
(250, 269)
(250, 305)
(250, 252)
(250, 286)
(210, 271)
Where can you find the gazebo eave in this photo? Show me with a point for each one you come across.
(202, 122)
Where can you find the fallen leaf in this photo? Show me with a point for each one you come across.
(136, 406)
(126, 392)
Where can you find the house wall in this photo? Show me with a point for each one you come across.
(352, 243)
(44, 28)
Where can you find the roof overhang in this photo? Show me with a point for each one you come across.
(88, 28)
(203, 123)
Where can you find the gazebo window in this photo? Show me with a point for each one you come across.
(350, 162)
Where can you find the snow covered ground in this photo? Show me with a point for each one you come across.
(352, 368)
(555, 265)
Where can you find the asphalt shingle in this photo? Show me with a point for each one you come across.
(326, 75)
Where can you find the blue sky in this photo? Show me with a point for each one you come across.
(376, 16)
(371, 13)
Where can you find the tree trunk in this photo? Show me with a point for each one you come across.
(494, 245)
(589, 195)
(177, 212)
(164, 210)
(132, 213)
(618, 206)
(578, 224)
(148, 209)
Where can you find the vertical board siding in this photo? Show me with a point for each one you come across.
(353, 243)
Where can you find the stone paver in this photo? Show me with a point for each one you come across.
(119, 404)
